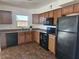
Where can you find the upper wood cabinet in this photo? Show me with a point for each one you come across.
(76, 8)
(35, 18)
(5, 17)
(50, 13)
(41, 18)
(3, 40)
(21, 37)
(36, 36)
(46, 14)
(56, 13)
(51, 43)
(67, 10)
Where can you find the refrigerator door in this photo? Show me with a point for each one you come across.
(66, 44)
(68, 23)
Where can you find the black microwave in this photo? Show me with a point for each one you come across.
(48, 21)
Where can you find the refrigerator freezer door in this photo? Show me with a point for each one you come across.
(68, 23)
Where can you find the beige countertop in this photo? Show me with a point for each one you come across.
(23, 30)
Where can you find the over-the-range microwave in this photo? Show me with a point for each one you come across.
(49, 21)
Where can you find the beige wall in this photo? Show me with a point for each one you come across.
(15, 11)
(55, 5)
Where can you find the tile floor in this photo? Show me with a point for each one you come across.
(28, 51)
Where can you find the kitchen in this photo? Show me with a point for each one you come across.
(33, 32)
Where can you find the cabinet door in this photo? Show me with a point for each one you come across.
(6, 17)
(76, 7)
(67, 10)
(52, 43)
(28, 37)
(41, 18)
(35, 18)
(1, 17)
(21, 37)
(50, 14)
(3, 40)
(46, 14)
(36, 37)
(57, 13)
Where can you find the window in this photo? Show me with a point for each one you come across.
(22, 21)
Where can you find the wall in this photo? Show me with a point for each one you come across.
(18, 11)
(55, 5)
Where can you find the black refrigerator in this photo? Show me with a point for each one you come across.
(67, 40)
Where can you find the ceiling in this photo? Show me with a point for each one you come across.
(29, 4)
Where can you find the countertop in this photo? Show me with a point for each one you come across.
(23, 30)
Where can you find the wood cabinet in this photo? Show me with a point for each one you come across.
(24, 37)
(36, 36)
(35, 18)
(51, 43)
(28, 37)
(67, 10)
(5, 17)
(21, 37)
(46, 15)
(3, 40)
(57, 13)
(76, 8)
(41, 18)
(50, 13)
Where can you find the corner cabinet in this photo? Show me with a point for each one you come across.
(51, 43)
(5, 17)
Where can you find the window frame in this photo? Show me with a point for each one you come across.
(21, 21)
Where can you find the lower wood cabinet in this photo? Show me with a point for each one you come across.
(24, 37)
(51, 43)
(28, 37)
(3, 40)
(21, 37)
(13, 39)
(36, 36)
